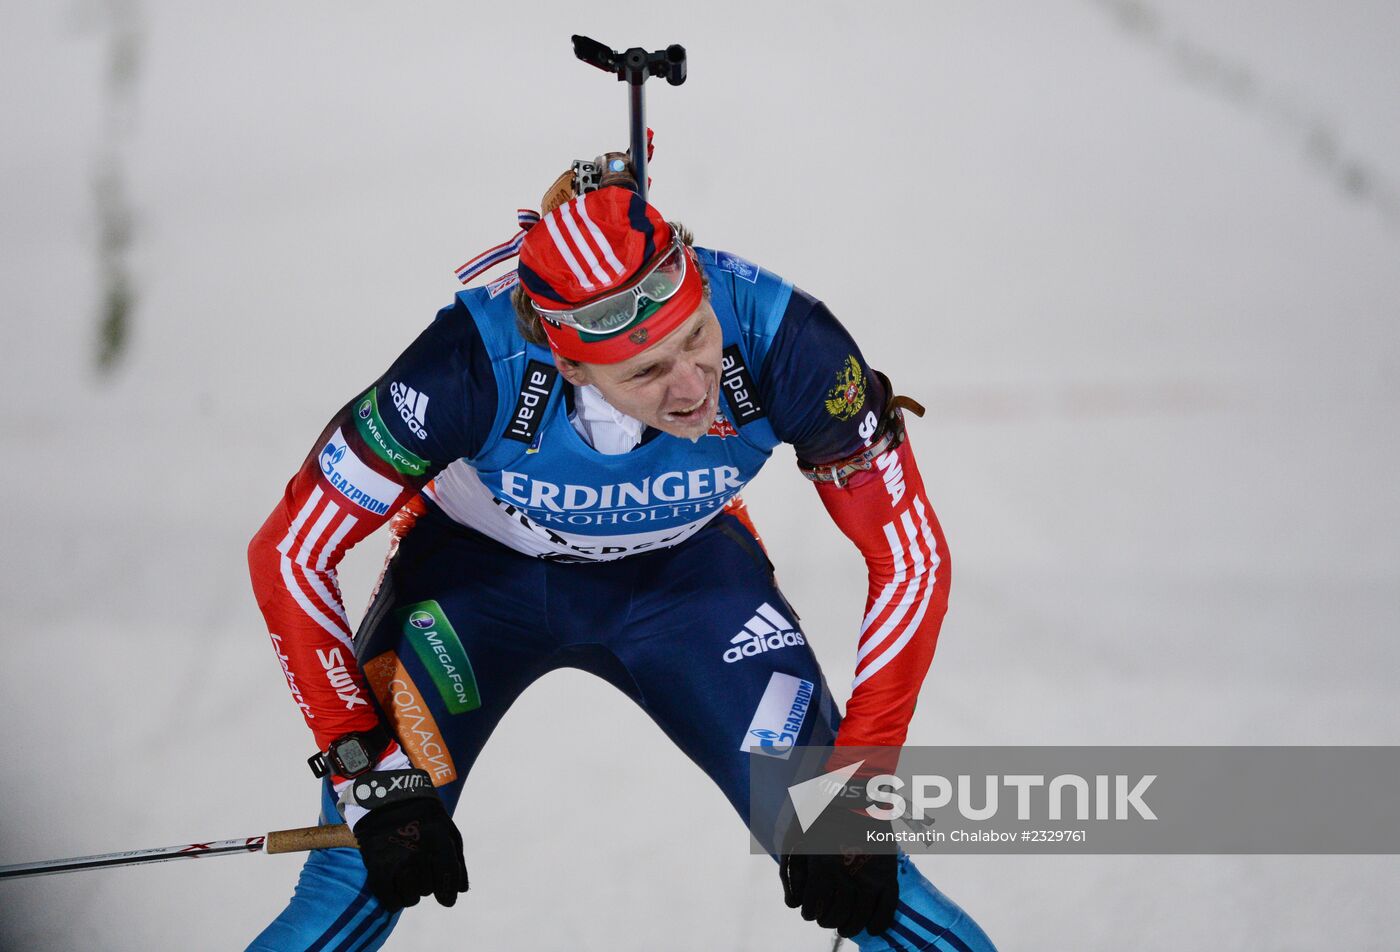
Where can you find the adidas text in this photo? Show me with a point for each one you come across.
(412, 406)
(767, 630)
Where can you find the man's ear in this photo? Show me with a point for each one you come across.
(574, 372)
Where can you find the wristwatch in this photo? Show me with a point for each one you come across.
(352, 754)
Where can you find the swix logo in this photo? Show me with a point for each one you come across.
(765, 631)
(407, 783)
(291, 678)
(777, 721)
(340, 678)
(412, 406)
(366, 792)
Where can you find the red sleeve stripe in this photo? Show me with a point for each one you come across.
(315, 579)
(332, 547)
(300, 592)
(340, 632)
(312, 545)
(892, 586)
(296, 525)
(309, 541)
(913, 627)
(923, 543)
(901, 558)
(322, 599)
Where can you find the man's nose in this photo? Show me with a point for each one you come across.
(688, 383)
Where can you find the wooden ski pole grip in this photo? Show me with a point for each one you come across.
(310, 838)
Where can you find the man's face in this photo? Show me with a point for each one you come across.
(673, 385)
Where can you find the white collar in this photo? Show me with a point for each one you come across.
(604, 427)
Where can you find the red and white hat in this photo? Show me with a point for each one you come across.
(607, 276)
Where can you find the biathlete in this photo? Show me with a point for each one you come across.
(562, 451)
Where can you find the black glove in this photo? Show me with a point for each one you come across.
(853, 889)
(412, 848)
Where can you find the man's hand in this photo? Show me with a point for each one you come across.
(412, 849)
(850, 890)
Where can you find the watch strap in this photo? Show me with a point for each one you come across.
(375, 741)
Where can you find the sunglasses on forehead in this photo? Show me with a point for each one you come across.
(622, 308)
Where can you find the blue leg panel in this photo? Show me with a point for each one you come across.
(331, 911)
(926, 919)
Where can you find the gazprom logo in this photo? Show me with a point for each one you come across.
(777, 721)
(350, 477)
(330, 456)
(771, 740)
(421, 620)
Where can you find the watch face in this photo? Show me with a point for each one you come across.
(352, 756)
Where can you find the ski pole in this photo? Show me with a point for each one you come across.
(635, 67)
(278, 841)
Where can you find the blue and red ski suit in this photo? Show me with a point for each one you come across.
(519, 549)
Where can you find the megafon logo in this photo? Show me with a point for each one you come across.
(438, 647)
(767, 630)
(365, 409)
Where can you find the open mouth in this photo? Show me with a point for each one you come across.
(695, 413)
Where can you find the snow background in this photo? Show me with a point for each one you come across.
(1140, 260)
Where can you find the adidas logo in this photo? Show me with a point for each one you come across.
(765, 631)
(413, 407)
